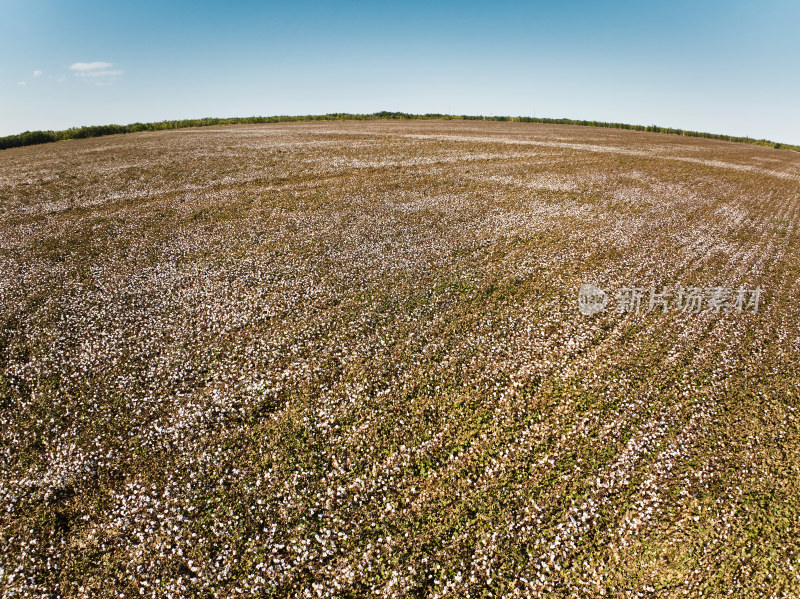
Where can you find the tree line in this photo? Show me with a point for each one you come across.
(29, 138)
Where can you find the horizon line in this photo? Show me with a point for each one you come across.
(36, 137)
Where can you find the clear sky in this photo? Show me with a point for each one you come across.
(720, 66)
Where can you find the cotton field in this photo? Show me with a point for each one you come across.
(346, 359)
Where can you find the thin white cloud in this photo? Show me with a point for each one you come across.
(37, 73)
(99, 72)
(22, 83)
(90, 66)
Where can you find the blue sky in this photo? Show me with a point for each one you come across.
(725, 67)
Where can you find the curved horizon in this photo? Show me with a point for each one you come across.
(27, 138)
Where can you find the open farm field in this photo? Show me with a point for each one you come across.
(348, 359)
